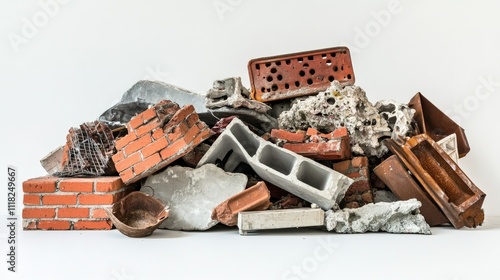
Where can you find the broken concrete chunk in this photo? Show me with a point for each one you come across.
(255, 198)
(337, 107)
(448, 186)
(398, 116)
(264, 122)
(88, 151)
(450, 146)
(384, 196)
(275, 219)
(395, 217)
(230, 92)
(52, 162)
(296, 174)
(192, 194)
(147, 93)
(392, 172)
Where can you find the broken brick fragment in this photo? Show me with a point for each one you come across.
(255, 198)
(157, 137)
(359, 192)
(52, 203)
(294, 137)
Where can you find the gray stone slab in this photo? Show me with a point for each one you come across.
(52, 163)
(294, 173)
(192, 194)
(283, 218)
(393, 217)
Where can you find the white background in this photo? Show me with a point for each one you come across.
(78, 61)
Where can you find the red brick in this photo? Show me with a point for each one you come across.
(54, 225)
(94, 225)
(340, 132)
(135, 122)
(158, 133)
(118, 156)
(147, 164)
(73, 212)
(173, 149)
(359, 161)
(359, 186)
(40, 185)
(138, 144)
(59, 199)
(288, 136)
(76, 185)
(99, 213)
(191, 134)
(128, 161)
(108, 184)
(342, 167)
(148, 114)
(39, 213)
(95, 199)
(123, 141)
(192, 119)
(204, 135)
(353, 175)
(127, 175)
(31, 199)
(311, 131)
(148, 127)
(177, 132)
(154, 147)
(180, 115)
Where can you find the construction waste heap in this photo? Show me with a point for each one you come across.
(302, 147)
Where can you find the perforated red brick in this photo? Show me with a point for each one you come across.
(298, 74)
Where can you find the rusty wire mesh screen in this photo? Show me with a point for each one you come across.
(88, 151)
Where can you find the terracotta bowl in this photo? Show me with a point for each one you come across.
(137, 214)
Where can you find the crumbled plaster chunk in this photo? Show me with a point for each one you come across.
(395, 217)
(341, 106)
(192, 194)
(399, 117)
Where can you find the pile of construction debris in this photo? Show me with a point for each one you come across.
(303, 147)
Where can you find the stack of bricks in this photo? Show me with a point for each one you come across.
(316, 145)
(156, 138)
(54, 203)
(359, 193)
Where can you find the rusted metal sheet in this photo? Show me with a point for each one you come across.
(392, 172)
(436, 124)
(449, 187)
(298, 74)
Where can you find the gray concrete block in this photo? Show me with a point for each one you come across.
(296, 174)
(284, 218)
(192, 194)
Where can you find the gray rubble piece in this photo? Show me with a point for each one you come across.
(394, 217)
(449, 145)
(276, 219)
(384, 196)
(341, 106)
(52, 163)
(294, 173)
(264, 122)
(192, 194)
(231, 93)
(147, 93)
(399, 116)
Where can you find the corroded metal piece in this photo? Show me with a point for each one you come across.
(449, 187)
(298, 74)
(392, 172)
(436, 124)
(137, 214)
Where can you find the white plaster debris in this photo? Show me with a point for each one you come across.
(283, 218)
(337, 107)
(192, 194)
(398, 116)
(449, 145)
(395, 217)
